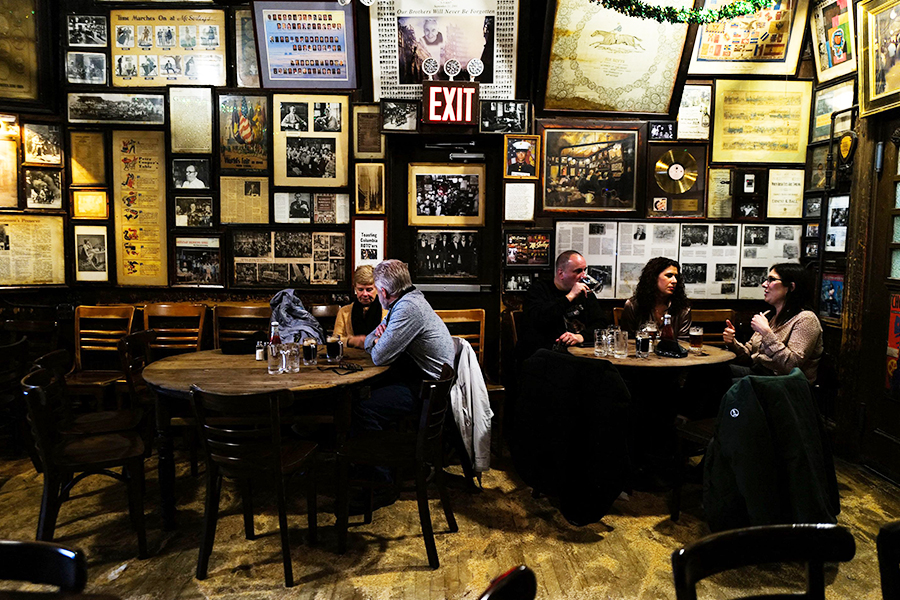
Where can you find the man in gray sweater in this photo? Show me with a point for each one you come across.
(411, 338)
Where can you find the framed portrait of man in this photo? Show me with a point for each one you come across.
(523, 156)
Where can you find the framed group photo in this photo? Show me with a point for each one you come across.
(400, 116)
(311, 140)
(198, 261)
(446, 254)
(43, 189)
(446, 194)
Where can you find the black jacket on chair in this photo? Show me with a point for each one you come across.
(766, 463)
(570, 432)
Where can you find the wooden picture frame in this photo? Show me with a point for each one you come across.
(43, 188)
(719, 48)
(369, 197)
(828, 100)
(676, 181)
(87, 158)
(446, 254)
(126, 109)
(26, 61)
(504, 116)
(369, 241)
(324, 133)
(600, 62)
(604, 156)
(694, 112)
(91, 253)
(305, 45)
(42, 144)
(400, 116)
(243, 132)
(441, 194)
(875, 95)
(531, 248)
(368, 141)
(522, 156)
(816, 165)
(834, 45)
(89, 204)
(17, 234)
(198, 261)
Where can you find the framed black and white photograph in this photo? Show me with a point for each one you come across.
(43, 188)
(293, 207)
(446, 194)
(128, 109)
(312, 158)
(400, 116)
(91, 263)
(443, 253)
(812, 207)
(294, 116)
(311, 141)
(370, 188)
(198, 261)
(662, 131)
(749, 208)
(190, 173)
(194, 211)
(89, 31)
(42, 144)
(516, 281)
(86, 67)
(327, 116)
(504, 116)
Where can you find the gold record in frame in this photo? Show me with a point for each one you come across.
(676, 185)
(676, 171)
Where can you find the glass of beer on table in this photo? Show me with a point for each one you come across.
(696, 337)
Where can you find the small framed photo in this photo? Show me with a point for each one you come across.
(194, 211)
(812, 207)
(812, 230)
(504, 116)
(198, 261)
(87, 30)
(86, 68)
(663, 131)
(816, 164)
(369, 188)
(811, 250)
(43, 188)
(400, 116)
(450, 254)
(523, 155)
(91, 263)
(42, 144)
(516, 281)
(190, 173)
(368, 141)
(749, 208)
(90, 204)
(528, 248)
(446, 194)
(831, 297)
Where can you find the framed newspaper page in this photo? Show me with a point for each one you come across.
(25, 261)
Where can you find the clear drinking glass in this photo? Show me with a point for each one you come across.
(653, 331)
(291, 357)
(600, 342)
(334, 349)
(620, 341)
(642, 344)
(310, 349)
(696, 337)
(275, 360)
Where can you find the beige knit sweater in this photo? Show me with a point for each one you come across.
(795, 343)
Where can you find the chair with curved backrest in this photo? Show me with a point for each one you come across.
(325, 314)
(421, 450)
(241, 436)
(713, 322)
(519, 583)
(43, 563)
(234, 323)
(178, 327)
(67, 459)
(888, 543)
(43, 336)
(98, 330)
(813, 544)
(134, 354)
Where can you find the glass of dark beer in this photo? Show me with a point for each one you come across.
(334, 349)
(696, 337)
(310, 349)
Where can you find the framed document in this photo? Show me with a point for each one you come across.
(306, 45)
(244, 200)
(370, 188)
(694, 112)
(91, 263)
(24, 68)
(878, 86)
(310, 140)
(719, 199)
(829, 100)
(243, 133)
(87, 158)
(528, 248)
(785, 200)
(245, 49)
(406, 33)
(368, 141)
(369, 242)
(34, 244)
(761, 121)
(600, 61)
(43, 188)
(42, 144)
(156, 48)
(836, 221)
(130, 109)
(591, 166)
(767, 42)
(90, 204)
(523, 156)
(833, 38)
(198, 261)
(190, 120)
(446, 194)
(518, 200)
(446, 254)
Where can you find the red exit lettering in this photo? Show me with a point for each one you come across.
(453, 102)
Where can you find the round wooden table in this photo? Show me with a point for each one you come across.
(171, 378)
(711, 355)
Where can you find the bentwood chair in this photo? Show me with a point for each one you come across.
(43, 336)
(67, 459)
(235, 323)
(888, 544)
(326, 314)
(420, 450)
(812, 544)
(43, 563)
(179, 328)
(241, 435)
(98, 330)
(519, 583)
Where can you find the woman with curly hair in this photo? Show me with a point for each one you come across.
(660, 290)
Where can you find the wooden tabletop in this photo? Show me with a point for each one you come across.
(241, 373)
(711, 355)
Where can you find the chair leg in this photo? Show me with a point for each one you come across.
(445, 499)
(312, 511)
(675, 508)
(135, 474)
(343, 503)
(190, 440)
(49, 508)
(246, 489)
(283, 528)
(210, 516)
(425, 518)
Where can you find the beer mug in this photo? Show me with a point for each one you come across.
(334, 349)
(310, 349)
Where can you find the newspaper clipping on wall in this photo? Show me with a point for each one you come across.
(761, 247)
(710, 257)
(244, 199)
(638, 243)
(596, 241)
(288, 258)
(31, 250)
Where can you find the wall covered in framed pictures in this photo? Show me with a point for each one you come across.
(311, 140)
(597, 60)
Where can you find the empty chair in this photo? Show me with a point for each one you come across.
(43, 336)
(888, 544)
(713, 323)
(43, 563)
(98, 330)
(241, 435)
(813, 544)
(178, 327)
(235, 323)
(519, 583)
(420, 450)
(67, 459)
(326, 314)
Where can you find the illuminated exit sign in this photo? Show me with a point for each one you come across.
(450, 102)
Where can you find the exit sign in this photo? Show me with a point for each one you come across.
(450, 102)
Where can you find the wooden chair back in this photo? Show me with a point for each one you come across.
(888, 544)
(617, 315)
(43, 336)
(43, 563)
(178, 327)
(519, 583)
(326, 314)
(467, 324)
(234, 323)
(713, 323)
(435, 397)
(134, 354)
(813, 544)
(98, 330)
(241, 433)
(45, 396)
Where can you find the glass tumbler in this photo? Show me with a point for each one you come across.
(291, 357)
(310, 349)
(642, 344)
(275, 360)
(620, 341)
(696, 336)
(600, 342)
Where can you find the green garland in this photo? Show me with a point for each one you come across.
(636, 8)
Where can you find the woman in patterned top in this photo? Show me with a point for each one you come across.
(792, 337)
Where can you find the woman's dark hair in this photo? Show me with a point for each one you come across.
(800, 297)
(644, 297)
